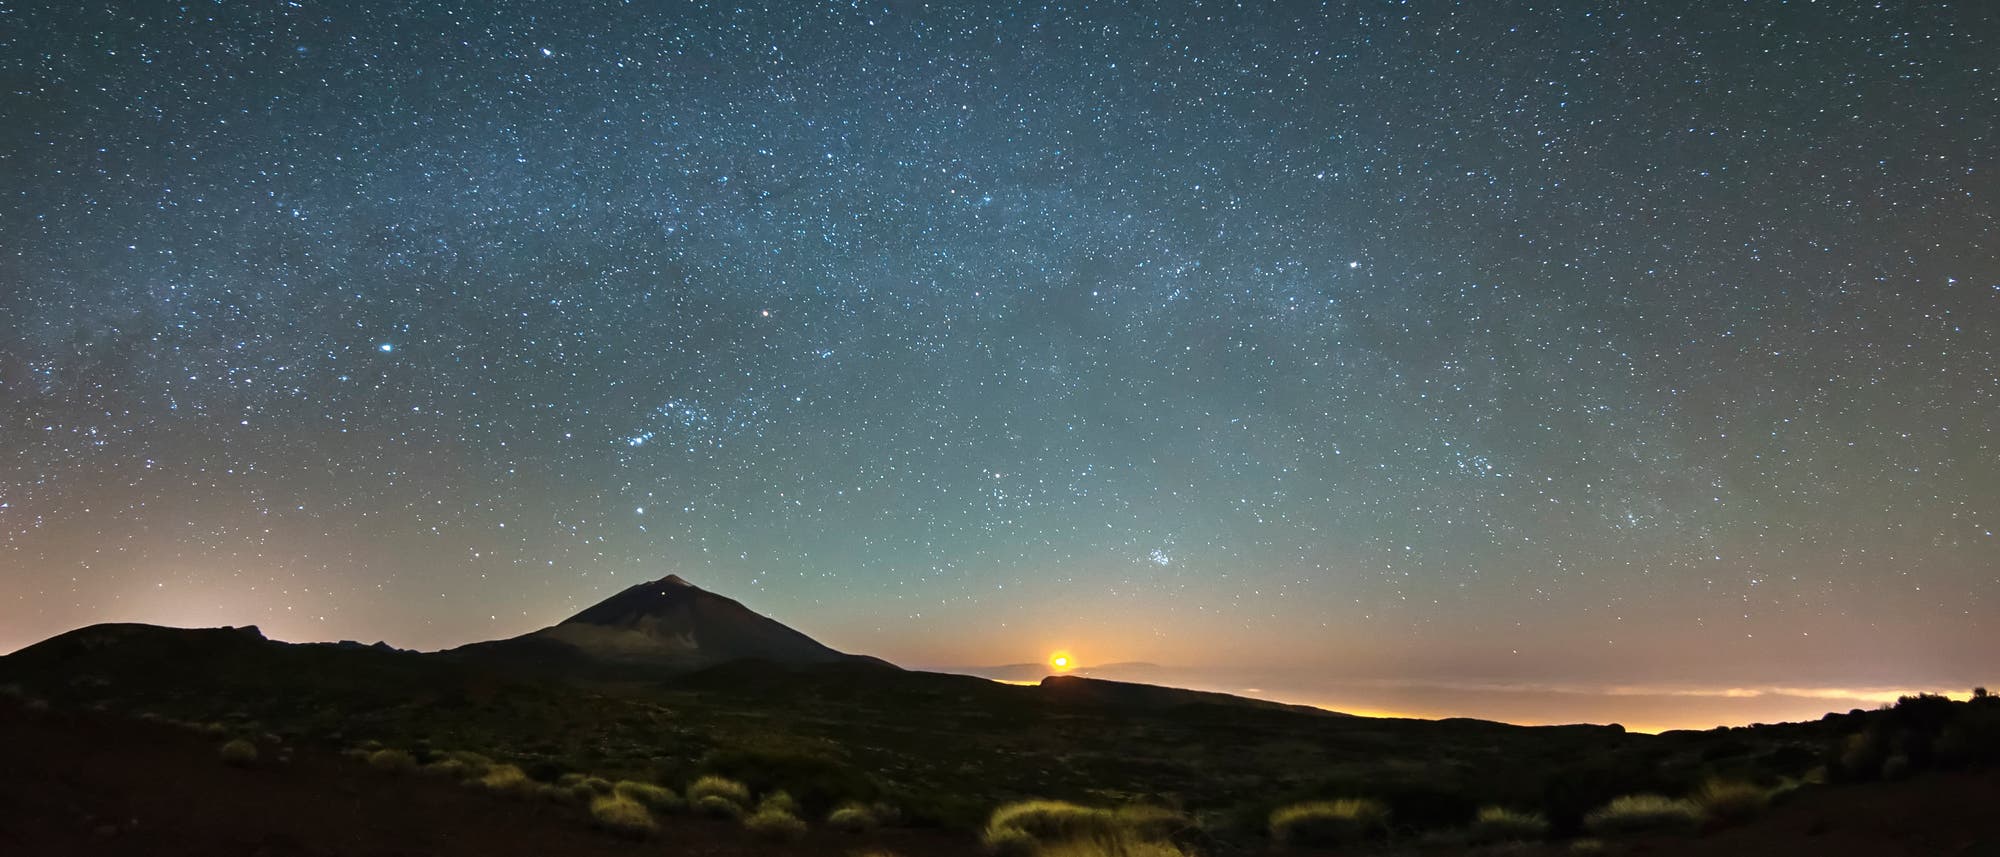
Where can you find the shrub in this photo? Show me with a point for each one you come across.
(621, 815)
(1728, 802)
(1028, 827)
(1329, 822)
(853, 818)
(452, 768)
(1499, 824)
(1636, 814)
(507, 779)
(811, 773)
(775, 824)
(1896, 767)
(585, 784)
(1009, 842)
(240, 753)
(1150, 822)
(656, 798)
(1111, 848)
(463, 763)
(719, 788)
(1860, 756)
(580, 788)
(717, 806)
(392, 761)
(1053, 820)
(780, 801)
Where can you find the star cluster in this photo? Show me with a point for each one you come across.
(1592, 341)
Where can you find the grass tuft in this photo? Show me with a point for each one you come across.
(508, 779)
(392, 761)
(1896, 767)
(775, 824)
(240, 753)
(1053, 820)
(622, 815)
(717, 806)
(1051, 826)
(1150, 822)
(780, 801)
(652, 797)
(451, 768)
(1500, 824)
(706, 791)
(1640, 814)
(463, 764)
(1009, 842)
(1730, 802)
(1329, 822)
(853, 818)
(1111, 848)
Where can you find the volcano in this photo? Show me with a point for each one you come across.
(666, 623)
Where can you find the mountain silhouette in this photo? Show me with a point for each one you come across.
(666, 623)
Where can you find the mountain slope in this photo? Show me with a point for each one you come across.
(667, 623)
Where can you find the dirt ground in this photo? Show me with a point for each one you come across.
(1939, 815)
(89, 784)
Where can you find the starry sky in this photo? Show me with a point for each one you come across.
(1480, 344)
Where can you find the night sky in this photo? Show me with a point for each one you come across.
(1489, 345)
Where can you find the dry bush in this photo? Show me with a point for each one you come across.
(719, 796)
(775, 825)
(1728, 802)
(779, 801)
(392, 761)
(1044, 826)
(508, 780)
(853, 818)
(1499, 824)
(622, 815)
(717, 806)
(1052, 820)
(451, 768)
(1111, 848)
(1326, 823)
(655, 798)
(240, 753)
(1639, 814)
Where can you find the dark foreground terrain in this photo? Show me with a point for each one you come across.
(113, 741)
(92, 783)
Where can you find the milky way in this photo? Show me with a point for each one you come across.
(1586, 341)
